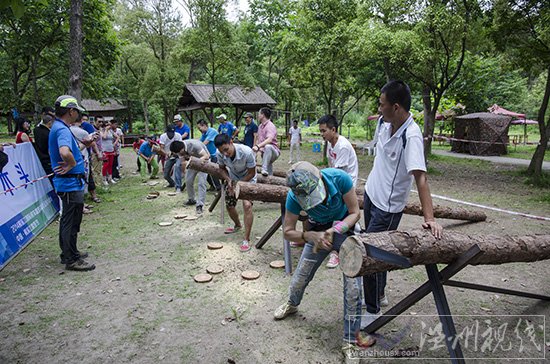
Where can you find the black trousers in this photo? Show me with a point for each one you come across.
(91, 182)
(213, 181)
(72, 204)
(115, 173)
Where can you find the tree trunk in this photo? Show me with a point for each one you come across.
(271, 180)
(212, 169)
(535, 167)
(274, 189)
(429, 121)
(37, 108)
(260, 192)
(421, 248)
(276, 172)
(146, 117)
(75, 50)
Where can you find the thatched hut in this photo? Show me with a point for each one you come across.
(481, 134)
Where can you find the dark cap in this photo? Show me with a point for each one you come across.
(249, 115)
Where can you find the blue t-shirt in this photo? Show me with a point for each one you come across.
(210, 135)
(61, 136)
(146, 149)
(227, 128)
(249, 132)
(184, 129)
(90, 129)
(337, 183)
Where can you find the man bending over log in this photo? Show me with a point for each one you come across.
(240, 161)
(329, 199)
(193, 148)
(399, 158)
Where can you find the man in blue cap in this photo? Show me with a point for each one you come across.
(69, 181)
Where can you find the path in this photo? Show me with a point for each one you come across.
(493, 159)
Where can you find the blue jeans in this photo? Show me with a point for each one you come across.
(307, 266)
(174, 162)
(376, 221)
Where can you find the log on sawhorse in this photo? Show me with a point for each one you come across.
(436, 280)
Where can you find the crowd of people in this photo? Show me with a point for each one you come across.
(65, 141)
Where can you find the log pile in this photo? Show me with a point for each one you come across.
(273, 189)
(421, 248)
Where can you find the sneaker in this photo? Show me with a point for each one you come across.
(245, 246)
(178, 190)
(80, 265)
(284, 310)
(105, 183)
(264, 173)
(113, 182)
(81, 255)
(199, 210)
(116, 179)
(368, 318)
(333, 260)
(384, 301)
(289, 162)
(351, 352)
(190, 203)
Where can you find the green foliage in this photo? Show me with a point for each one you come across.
(33, 50)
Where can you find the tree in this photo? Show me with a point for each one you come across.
(522, 29)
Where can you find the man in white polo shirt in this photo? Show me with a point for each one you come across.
(341, 155)
(240, 162)
(399, 159)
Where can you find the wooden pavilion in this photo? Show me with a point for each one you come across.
(208, 97)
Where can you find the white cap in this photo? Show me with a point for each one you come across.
(221, 116)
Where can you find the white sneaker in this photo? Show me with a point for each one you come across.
(284, 310)
(112, 181)
(384, 301)
(264, 173)
(333, 260)
(105, 183)
(178, 190)
(368, 318)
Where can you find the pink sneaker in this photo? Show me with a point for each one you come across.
(333, 260)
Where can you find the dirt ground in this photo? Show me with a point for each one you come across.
(141, 304)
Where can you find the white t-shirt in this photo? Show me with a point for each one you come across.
(164, 140)
(294, 135)
(342, 156)
(389, 183)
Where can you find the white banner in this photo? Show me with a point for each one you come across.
(27, 199)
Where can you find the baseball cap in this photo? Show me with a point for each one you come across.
(177, 117)
(248, 115)
(69, 102)
(304, 179)
(222, 116)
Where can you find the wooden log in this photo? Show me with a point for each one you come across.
(271, 180)
(440, 212)
(278, 195)
(276, 173)
(212, 169)
(260, 192)
(421, 248)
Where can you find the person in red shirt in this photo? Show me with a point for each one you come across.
(23, 128)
